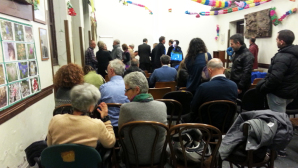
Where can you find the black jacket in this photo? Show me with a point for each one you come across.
(144, 51)
(159, 51)
(103, 59)
(242, 67)
(170, 50)
(133, 69)
(182, 78)
(282, 77)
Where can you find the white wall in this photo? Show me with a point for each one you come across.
(267, 46)
(30, 125)
(130, 24)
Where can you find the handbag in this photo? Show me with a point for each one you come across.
(193, 145)
(205, 74)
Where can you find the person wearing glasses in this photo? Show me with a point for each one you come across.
(142, 107)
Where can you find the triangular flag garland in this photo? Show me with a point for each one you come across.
(71, 11)
(129, 2)
(274, 18)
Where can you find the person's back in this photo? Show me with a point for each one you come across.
(103, 57)
(134, 67)
(159, 51)
(144, 51)
(93, 78)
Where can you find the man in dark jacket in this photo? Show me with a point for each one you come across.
(171, 47)
(242, 64)
(144, 51)
(134, 67)
(159, 51)
(281, 82)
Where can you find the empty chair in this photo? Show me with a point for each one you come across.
(63, 109)
(171, 84)
(143, 143)
(253, 100)
(158, 93)
(70, 156)
(174, 110)
(219, 113)
(182, 96)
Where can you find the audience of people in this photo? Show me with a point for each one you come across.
(134, 67)
(144, 51)
(92, 77)
(103, 57)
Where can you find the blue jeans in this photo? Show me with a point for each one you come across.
(276, 103)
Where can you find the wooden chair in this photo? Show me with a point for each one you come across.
(182, 88)
(132, 138)
(256, 80)
(209, 132)
(183, 97)
(258, 70)
(268, 160)
(253, 100)
(158, 93)
(107, 79)
(219, 113)
(63, 109)
(174, 110)
(171, 84)
(147, 74)
(252, 86)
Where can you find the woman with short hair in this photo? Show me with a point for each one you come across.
(103, 58)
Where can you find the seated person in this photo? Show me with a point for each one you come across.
(182, 75)
(218, 88)
(133, 67)
(65, 78)
(163, 74)
(79, 128)
(142, 108)
(113, 91)
(92, 77)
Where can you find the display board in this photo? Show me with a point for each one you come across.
(19, 75)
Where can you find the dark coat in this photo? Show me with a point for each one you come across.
(133, 69)
(103, 59)
(159, 51)
(144, 51)
(170, 50)
(182, 77)
(242, 67)
(282, 77)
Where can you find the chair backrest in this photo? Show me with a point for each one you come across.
(253, 100)
(158, 93)
(63, 109)
(135, 136)
(95, 113)
(209, 133)
(107, 79)
(182, 96)
(182, 88)
(171, 84)
(174, 110)
(256, 80)
(147, 74)
(219, 113)
(292, 108)
(258, 70)
(70, 156)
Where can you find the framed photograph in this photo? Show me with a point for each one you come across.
(23, 69)
(43, 37)
(30, 51)
(6, 30)
(21, 51)
(9, 51)
(2, 74)
(14, 92)
(11, 70)
(39, 15)
(29, 34)
(25, 88)
(3, 96)
(32, 68)
(34, 85)
(19, 32)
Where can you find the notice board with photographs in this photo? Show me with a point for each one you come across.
(19, 76)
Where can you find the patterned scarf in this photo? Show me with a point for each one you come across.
(143, 97)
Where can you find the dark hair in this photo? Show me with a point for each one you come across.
(253, 40)
(165, 59)
(87, 69)
(237, 38)
(124, 47)
(171, 41)
(162, 38)
(177, 42)
(145, 40)
(196, 46)
(287, 36)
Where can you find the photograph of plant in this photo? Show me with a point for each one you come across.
(14, 92)
(23, 70)
(11, 70)
(9, 51)
(21, 51)
(30, 51)
(34, 85)
(32, 68)
(6, 30)
(2, 74)
(25, 88)
(28, 34)
(3, 96)
(19, 32)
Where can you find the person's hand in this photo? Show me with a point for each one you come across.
(104, 109)
(239, 91)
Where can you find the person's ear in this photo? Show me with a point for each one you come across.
(138, 90)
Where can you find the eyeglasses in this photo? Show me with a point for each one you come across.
(126, 90)
(106, 71)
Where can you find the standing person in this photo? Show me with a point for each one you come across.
(103, 58)
(242, 64)
(281, 82)
(171, 47)
(195, 62)
(152, 57)
(134, 67)
(160, 50)
(131, 51)
(125, 56)
(176, 54)
(116, 52)
(144, 51)
(254, 49)
(89, 55)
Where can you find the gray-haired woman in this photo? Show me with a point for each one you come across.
(103, 58)
(142, 108)
(79, 128)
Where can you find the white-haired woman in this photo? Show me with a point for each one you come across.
(142, 108)
(79, 128)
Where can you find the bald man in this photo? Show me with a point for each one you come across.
(90, 58)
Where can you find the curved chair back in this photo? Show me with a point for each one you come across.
(144, 143)
(63, 109)
(209, 132)
(174, 110)
(95, 113)
(171, 84)
(182, 96)
(158, 93)
(253, 100)
(219, 113)
(292, 108)
(70, 156)
(256, 80)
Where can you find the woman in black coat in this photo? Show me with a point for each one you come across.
(103, 58)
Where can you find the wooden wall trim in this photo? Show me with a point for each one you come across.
(261, 65)
(14, 110)
(82, 47)
(67, 41)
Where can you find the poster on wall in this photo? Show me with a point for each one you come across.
(29, 34)
(6, 30)
(14, 92)
(9, 51)
(25, 88)
(39, 13)
(30, 51)
(2, 74)
(43, 39)
(12, 72)
(3, 96)
(23, 70)
(19, 32)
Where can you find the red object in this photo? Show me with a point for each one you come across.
(71, 12)
(225, 11)
(35, 85)
(254, 49)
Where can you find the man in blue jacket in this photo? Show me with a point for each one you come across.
(163, 74)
